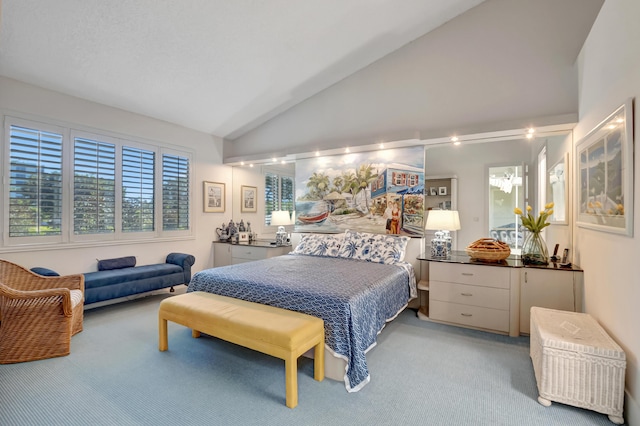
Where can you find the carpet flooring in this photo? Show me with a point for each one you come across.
(421, 373)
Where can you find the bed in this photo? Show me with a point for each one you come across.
(355, 282)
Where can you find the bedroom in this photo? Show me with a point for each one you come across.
(594, 91)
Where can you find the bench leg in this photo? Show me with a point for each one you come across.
(291, 381)
(318, 362)
(195, 333)
(163, 341)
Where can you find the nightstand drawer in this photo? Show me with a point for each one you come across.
(248, 253)
(473, 316)
(487, 276)
(487, 297)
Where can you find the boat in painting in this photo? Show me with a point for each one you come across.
(314, 218)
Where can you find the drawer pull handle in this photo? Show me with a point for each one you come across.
(468, 274)
(466, 315)
(466, 294)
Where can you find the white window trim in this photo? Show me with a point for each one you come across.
(67, 239)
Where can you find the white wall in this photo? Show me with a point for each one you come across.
(609, 73)
(44, 104)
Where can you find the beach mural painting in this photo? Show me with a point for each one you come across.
(377, 191)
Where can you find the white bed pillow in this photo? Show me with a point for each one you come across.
(320, 244)
(379, 248)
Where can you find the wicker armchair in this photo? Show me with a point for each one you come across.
(38, 315)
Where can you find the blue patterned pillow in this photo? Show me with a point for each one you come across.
(320, 244)
(389, 249)
(379, 248)
(357, 245)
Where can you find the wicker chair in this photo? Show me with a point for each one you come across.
(38, 315)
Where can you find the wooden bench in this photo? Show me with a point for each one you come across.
(270, 330)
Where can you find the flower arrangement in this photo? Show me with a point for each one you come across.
(535, 225)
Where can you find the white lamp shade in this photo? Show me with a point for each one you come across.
(280, 217)
(443, 220)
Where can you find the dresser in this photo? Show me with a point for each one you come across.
(233, 253)
(495, 297)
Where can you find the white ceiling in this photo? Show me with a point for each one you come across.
(222, 67)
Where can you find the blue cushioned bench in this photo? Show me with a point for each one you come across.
(129, 280)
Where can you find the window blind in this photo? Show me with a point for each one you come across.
(94, 199)
(175, 192)
(138, 171)
(35, 182)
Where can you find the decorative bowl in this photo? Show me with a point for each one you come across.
(488, 250)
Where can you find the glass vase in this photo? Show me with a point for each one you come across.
(534, 250)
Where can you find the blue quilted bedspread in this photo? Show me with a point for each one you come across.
(354, 298)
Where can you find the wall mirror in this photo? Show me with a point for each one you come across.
(558, 190)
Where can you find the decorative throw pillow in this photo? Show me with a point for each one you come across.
(46, 272)
(320, 244)
(389, 249)
(116, 263)
(357, 245)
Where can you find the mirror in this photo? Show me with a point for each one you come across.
(558, 190)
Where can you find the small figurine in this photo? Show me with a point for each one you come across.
(241, 226)
(249, 227)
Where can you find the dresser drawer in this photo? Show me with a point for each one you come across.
(249, 253)
(473, 316)
(487, 297)
(487, 276)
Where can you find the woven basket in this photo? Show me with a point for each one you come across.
(488, 250)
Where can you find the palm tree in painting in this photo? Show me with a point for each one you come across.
(364, 178)
(318, 185)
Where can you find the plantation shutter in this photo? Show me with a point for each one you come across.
(175, 192)
(94, 199)
(286, 189)
(271, 196)
(35, 182)
(138, 171)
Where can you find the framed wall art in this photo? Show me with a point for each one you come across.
(214, 196)
(605, 174)
(248, 199)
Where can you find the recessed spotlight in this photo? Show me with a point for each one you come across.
(612, 126)
(242, 163)
(529, 135)
(251, 165)
(381, 145)
(283, 162)
(531, 130)
(347, 150)
(274, 159)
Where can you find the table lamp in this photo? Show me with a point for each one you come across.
(280, 218)
(442, 221)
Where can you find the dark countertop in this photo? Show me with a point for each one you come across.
(510, 262)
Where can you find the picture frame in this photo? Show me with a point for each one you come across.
(213, 197)
(442, 190)
(248, 199)
(433, 191)
(604, 172)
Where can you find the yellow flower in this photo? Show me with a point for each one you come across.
(517, 211)
(529, 208)
(548, 206)
(535, 224)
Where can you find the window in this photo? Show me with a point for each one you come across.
(68, 186)
(175, 192)
(138, 190)
(94, 187)
(279, 194)
(35, 182)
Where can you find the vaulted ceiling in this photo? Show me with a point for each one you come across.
(228, 67)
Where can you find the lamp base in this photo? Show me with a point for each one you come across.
(440, 248)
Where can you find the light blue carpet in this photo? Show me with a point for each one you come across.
(422, 373)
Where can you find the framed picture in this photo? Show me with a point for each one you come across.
(248, 200)
(604, 160)
(213, 200)
(442, 190)
(433, 191)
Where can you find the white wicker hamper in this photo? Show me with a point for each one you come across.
(576, 362)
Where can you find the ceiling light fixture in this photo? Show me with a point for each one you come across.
(455, 140)
(347, 150)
